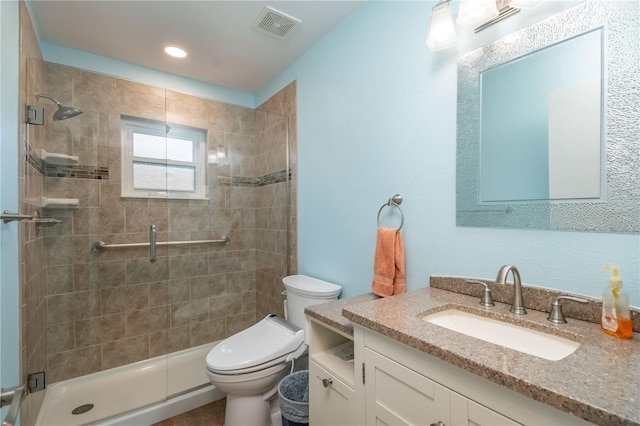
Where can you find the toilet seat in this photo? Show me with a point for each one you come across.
(266, 343)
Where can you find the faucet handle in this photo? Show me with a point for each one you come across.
(556, 316)
(486, 299)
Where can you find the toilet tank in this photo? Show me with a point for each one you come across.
(303, 291)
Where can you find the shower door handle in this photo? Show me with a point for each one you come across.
(14, 397)
(8, 216)
(152, 243)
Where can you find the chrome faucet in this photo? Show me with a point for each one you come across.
(517, 307)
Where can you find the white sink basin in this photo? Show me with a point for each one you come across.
(521, 339)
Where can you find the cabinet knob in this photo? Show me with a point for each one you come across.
(328, 382)
(440, 423)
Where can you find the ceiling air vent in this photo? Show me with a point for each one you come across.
(275, 23)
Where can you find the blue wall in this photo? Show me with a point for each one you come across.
(376, 116)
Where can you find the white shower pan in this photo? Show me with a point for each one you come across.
(142, 393)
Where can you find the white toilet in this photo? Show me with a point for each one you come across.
(249, 365)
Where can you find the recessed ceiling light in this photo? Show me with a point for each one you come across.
(175, 51)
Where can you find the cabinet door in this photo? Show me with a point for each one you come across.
(332, 402)
(397, 395)
(466, 412)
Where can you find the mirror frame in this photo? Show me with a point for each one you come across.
(618, 209)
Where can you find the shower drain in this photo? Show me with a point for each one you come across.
(82, 409)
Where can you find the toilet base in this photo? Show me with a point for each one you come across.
(252, 410)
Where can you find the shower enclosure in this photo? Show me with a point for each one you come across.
(86, 311)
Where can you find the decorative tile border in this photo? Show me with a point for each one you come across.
(102, 173)
(77, 172)
(268, 179)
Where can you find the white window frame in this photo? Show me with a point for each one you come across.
(130, 125)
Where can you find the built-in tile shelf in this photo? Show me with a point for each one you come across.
(58, 159)
(54, 203)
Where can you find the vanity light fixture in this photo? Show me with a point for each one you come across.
(175, 51)
(475, 14)
(442, 32)
(524, 4)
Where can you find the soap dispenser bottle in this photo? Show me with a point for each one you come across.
(616, 319)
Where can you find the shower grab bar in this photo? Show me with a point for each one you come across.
(100, 246)
(152, 243)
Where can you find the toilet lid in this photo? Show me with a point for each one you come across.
(267, 340)
(303, 285)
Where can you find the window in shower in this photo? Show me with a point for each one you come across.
(163, 160)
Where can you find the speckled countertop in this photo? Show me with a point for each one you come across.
(599, 382)
(331, 313)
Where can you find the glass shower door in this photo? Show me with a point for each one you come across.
(103, 304)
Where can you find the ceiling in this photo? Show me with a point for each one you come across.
(222, 47)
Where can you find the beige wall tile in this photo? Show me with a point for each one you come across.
(141, 270)
(126, 351)
(207, 331)
(237, 323)
(146, 321)
(189, 312)
(60, 337)
(65, 365)
(208, 286)
(179, 338)
(125, 299)
(99, 330)
(225, 305)
(179, 291)
(59, 279)
(96, 275)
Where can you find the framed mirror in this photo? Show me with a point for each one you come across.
(548, 125)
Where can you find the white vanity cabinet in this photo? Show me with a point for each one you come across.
(404, 386)
(397, 395)
(333, 401)
(332, 397)
(390, 383)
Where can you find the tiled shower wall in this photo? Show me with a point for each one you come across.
(271, 201)
(115, 308)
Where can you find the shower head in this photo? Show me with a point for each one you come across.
(63, 112)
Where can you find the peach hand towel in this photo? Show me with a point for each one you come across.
(388, 263)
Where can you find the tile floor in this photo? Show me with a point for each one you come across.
(207, 415)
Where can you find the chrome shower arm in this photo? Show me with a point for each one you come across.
(40, 95)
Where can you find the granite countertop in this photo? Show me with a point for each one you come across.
(599, 382)
(331, 313)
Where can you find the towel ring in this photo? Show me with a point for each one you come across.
(396, 200)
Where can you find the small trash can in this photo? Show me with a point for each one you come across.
(293, 393)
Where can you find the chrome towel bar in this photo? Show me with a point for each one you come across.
(100, 246)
